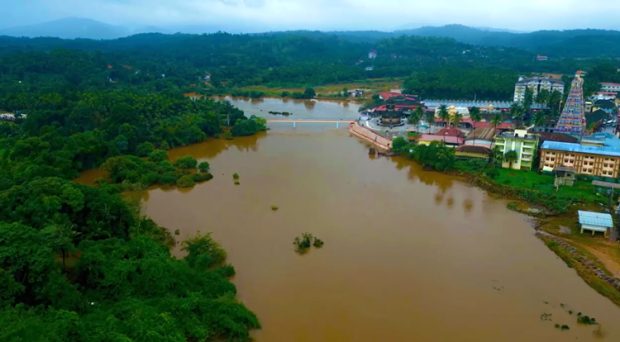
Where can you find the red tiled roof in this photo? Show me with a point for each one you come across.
(397, 107)
(487, 124)
(482, 133)
(447, 139)
(450, 131)
(386, 95)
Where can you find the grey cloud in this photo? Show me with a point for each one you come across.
(264, 15)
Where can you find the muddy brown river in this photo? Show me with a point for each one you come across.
(409, 255)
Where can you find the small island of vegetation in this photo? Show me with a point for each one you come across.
(304, 242)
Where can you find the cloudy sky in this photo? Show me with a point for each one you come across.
(266, 15)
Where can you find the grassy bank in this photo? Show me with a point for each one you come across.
(585, 264)
(535, 188)
(328, 91)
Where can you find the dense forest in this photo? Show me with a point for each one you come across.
(585, 43)
(223, 63)
(226, 61)
(79, 263)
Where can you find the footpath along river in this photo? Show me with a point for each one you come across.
(408, 255)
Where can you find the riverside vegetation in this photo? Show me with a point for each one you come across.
(78, 262)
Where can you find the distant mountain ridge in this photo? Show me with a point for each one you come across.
(69, 28)
(569, 43)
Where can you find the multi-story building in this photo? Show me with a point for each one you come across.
(536, 84)
(596, 155)
(523, 143)
(610, 87)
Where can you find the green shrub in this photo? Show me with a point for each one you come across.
(204, 167)
(149, 178)
(168, 178)
(186, 163)
(186, 181)
(158, 156)
(249, 126)
(201, 177)
(145, 149)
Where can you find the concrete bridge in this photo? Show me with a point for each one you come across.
(294, 122)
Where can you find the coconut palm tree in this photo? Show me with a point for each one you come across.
(497, 156)
(497, 119)
(456, 119)
(414, 118)
(517, 112)
(420, 113)
(543, 97)
(444, 114)
(539, 118)
(430, 117)
(474, 114)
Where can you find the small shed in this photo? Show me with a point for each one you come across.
(564, 175)
(595, 222)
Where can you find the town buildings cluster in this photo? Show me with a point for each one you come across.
(536, 84)
(566, 145)
(567, 148)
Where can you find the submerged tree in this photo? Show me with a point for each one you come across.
(305, 241)
(510, 157)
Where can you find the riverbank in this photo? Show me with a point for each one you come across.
(596, 259)
(554, 210)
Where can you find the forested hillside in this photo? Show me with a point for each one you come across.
(218, 63)
(588, 43)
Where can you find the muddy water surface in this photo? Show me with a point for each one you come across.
(408, 254)
(300, 109)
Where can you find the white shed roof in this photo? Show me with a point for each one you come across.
(590, 218)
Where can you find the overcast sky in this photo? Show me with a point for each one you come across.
(266, 15)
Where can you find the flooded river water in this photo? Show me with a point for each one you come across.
(408, 255)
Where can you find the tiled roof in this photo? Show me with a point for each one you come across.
(447, 139)
(386, 95)
(474, 149)
(551, 136)
(482, 133)
(450, 131)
